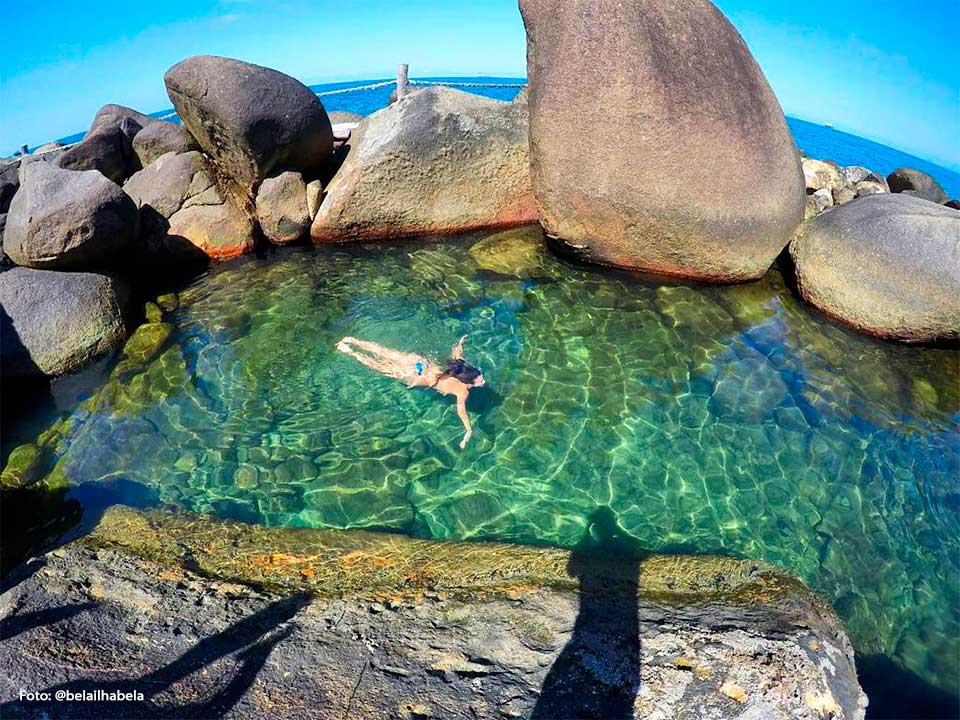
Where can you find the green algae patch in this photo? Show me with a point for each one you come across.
(340, 563)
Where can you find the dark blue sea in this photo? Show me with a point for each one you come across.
(815, 140)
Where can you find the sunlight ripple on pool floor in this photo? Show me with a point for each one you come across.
(722, 420)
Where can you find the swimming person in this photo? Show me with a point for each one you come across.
(456, 378)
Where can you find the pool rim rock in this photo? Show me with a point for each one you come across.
(477, 624)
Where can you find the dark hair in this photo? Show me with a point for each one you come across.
(459, 370)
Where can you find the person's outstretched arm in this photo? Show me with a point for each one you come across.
(457, 352)
(464, 418)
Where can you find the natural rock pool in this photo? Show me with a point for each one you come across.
(730, 420)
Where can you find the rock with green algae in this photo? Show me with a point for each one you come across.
(520, 252)
(152, 312)
(168, 302)
(451, 625)
(22, 468)
(147, 340)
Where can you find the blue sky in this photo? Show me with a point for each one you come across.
(883, 70)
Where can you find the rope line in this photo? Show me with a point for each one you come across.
(468, 84)
(355, 89)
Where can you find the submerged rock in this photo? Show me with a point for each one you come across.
(439, 161)
(56, 322)
(515, 631)
(640, 161)
(885, 265)
(519, 253)
(184, 215)
(250, 120)
(147, 340)
(159, 138)
(282, 208)
(924, 186)
(66, 219)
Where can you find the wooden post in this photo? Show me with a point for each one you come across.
(24, 150)
(403, 80)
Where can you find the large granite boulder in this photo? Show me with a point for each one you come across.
(282, 208)
(655, 140)
(886, 265)
(160, 137)
(438, 161)
(918, 183)
(68, 219)
(184, 215)
(56, 322)
(249, 119)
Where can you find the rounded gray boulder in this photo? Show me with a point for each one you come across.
(68, 219)
(159, 138)
(886, 265)
(655, 141)
(282, 208)
(249, 119)
(56, 322)
(918, 183)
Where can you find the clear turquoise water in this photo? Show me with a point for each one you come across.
(717, 420)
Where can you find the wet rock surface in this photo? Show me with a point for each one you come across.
(480, 631)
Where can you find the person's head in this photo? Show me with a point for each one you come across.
(467, 374)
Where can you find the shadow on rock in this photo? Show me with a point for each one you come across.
(597, 675)
(249, 641)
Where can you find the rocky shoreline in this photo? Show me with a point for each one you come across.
(221, 619)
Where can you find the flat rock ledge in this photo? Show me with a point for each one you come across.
(212, 619)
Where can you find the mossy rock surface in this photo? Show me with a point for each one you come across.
(520, 252)
(357, 563)
(147, 341)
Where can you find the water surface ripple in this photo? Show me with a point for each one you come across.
(716, 420)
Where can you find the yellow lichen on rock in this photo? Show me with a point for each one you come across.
(822, 702)
(734, 691)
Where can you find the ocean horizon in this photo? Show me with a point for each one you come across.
(815, 140)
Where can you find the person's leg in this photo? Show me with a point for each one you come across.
(388, 354)
(386, 368)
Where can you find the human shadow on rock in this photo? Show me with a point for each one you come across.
(249, 641)
(597, 675)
